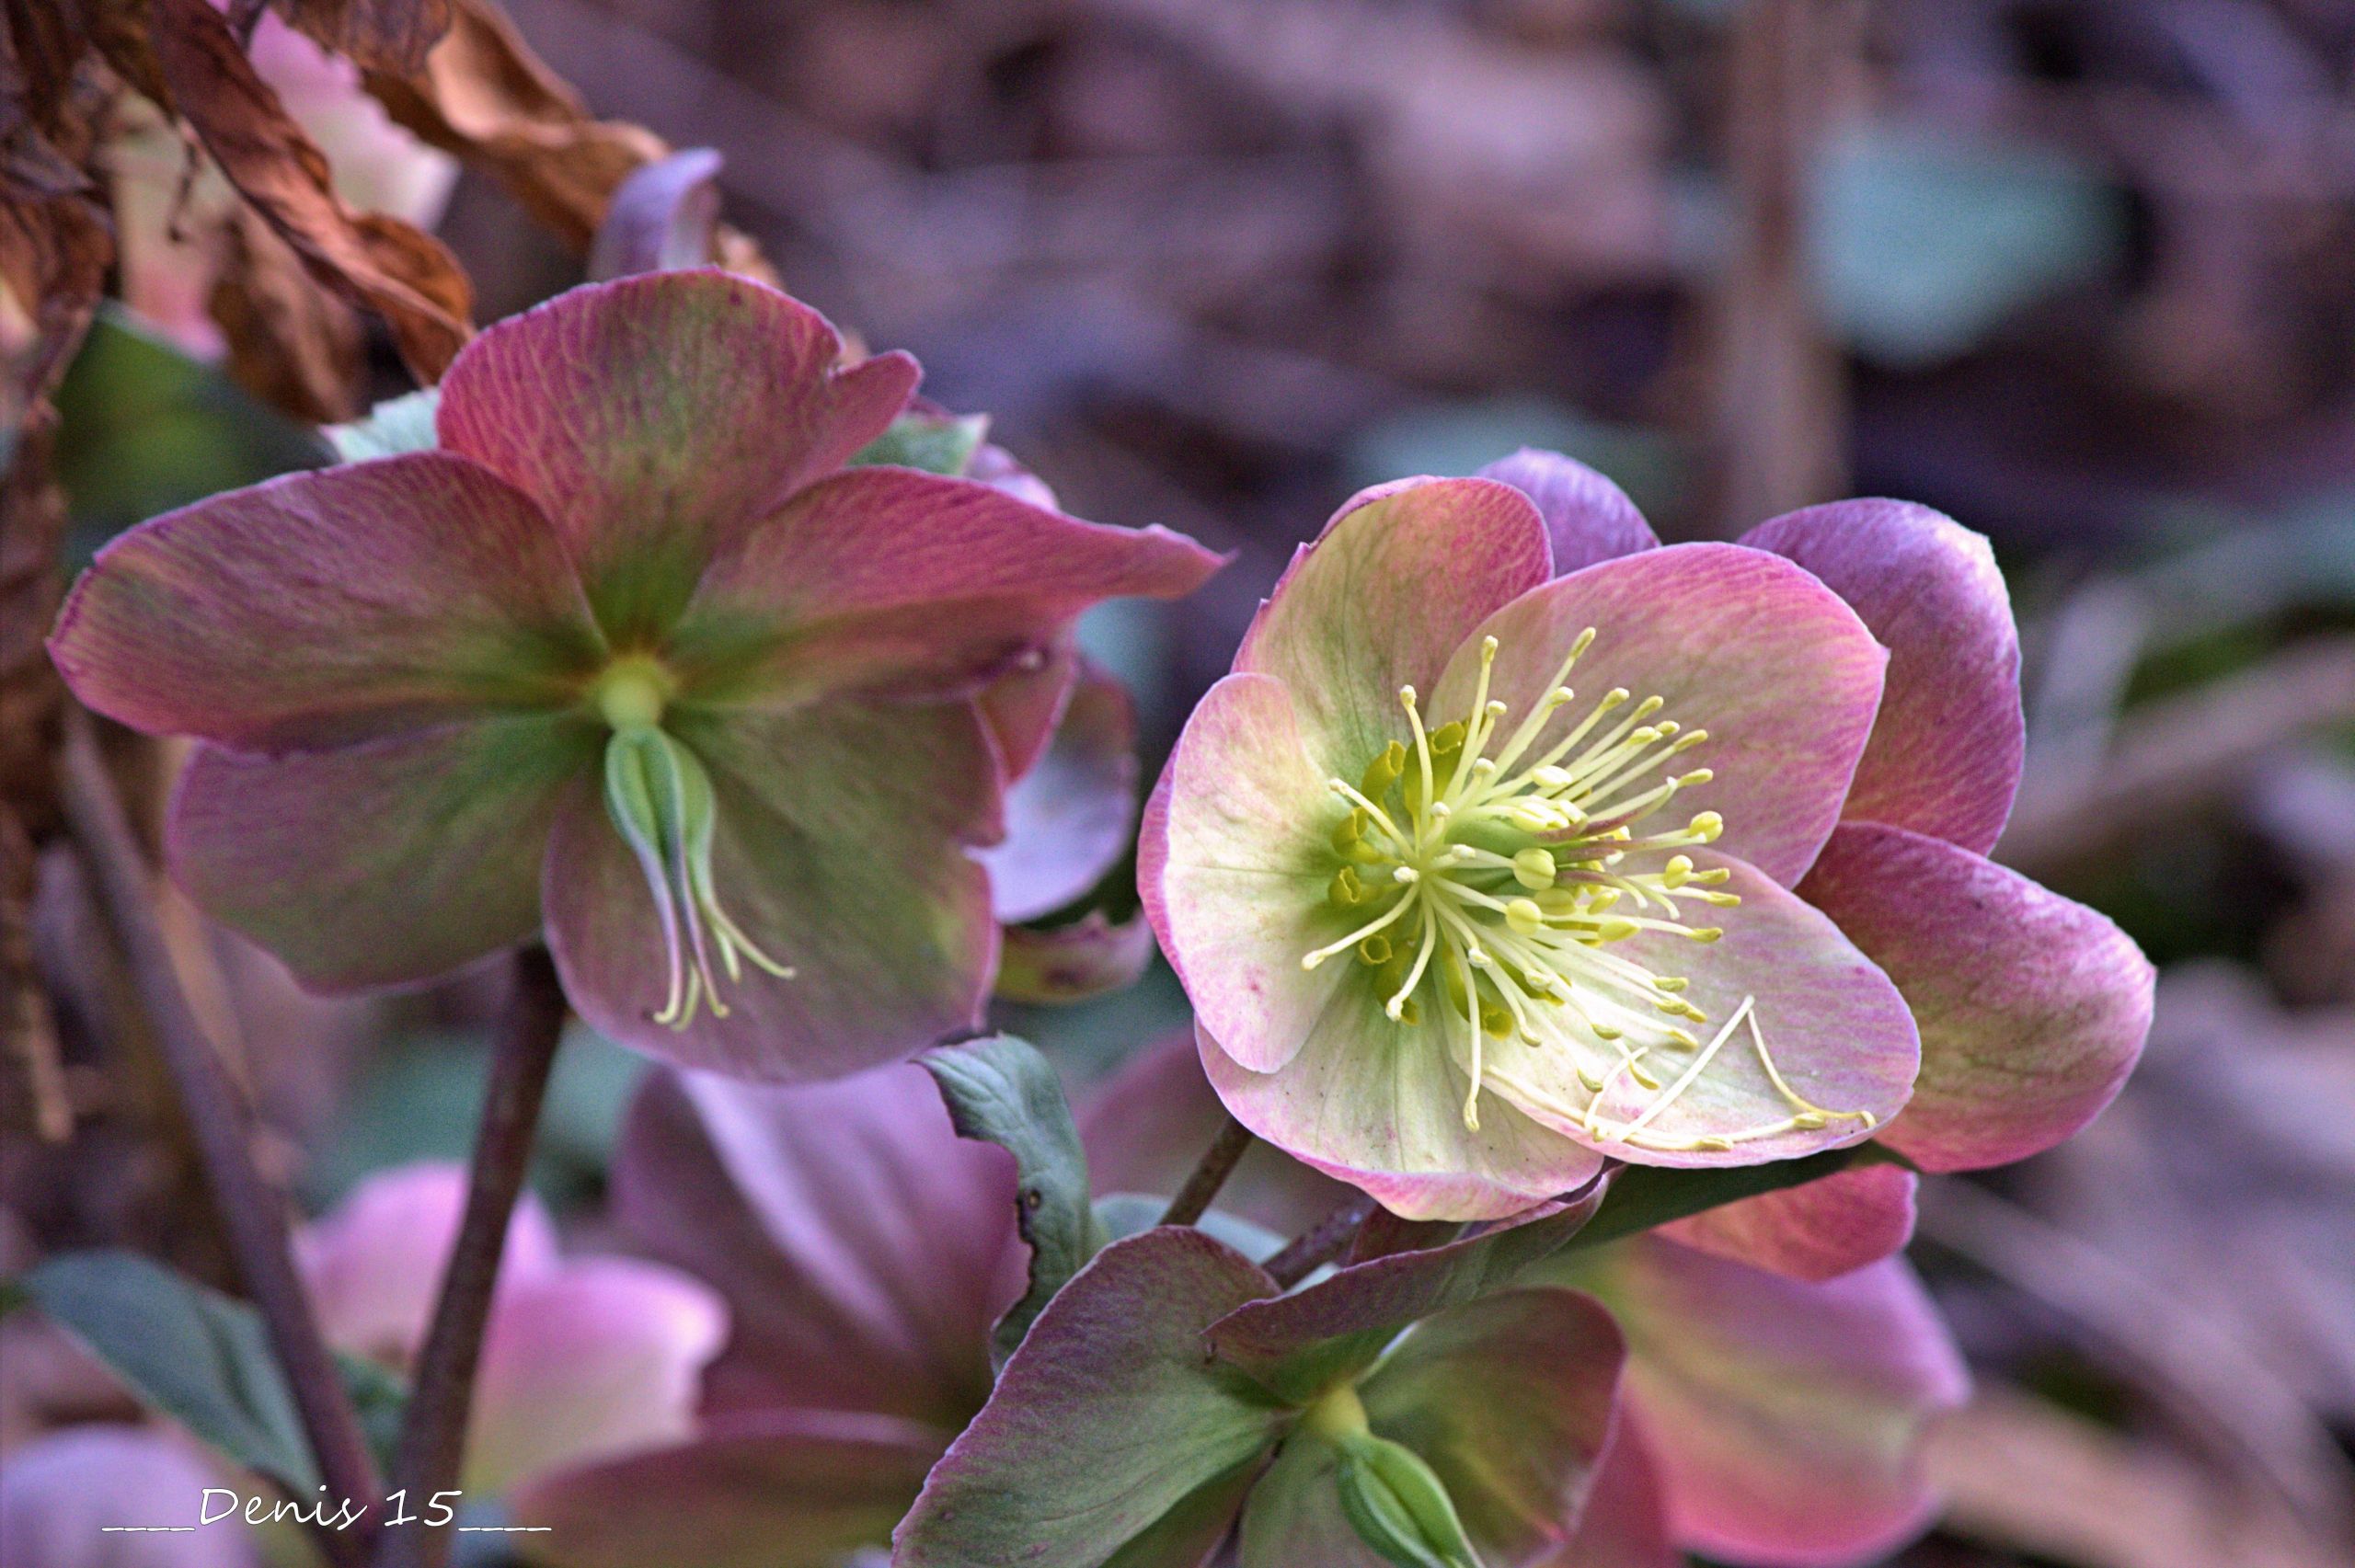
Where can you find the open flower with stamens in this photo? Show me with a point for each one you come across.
(1486, 863)
(632, 657)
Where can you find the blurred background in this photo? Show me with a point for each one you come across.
(2080, 273)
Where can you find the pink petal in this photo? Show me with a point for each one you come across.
(1091, 956)
(1944, 758)
(864, 1249)
(1023, 706)
(791, 1489)
(890, 579)
(1625, 1523)
(326, 607)
(838, 852)
(1233, 864)
(1741, 643)
(1588, 518)
(1382, 598)
(1147, 1124)
(656, 417)
(57, 1492)
(1836, 1030)
(373, 1265)
(1786, 1418)
(2033, 1008)
(600, 1356)
(1381, 1107)
(1815, 1232)
(382, 862)
(1067, 820)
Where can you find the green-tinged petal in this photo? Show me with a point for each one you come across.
(330, 606)
(2033, 1009)
(1108, 1417)
(837, 850)
(382, 862)
(1232, 865)
(1023, 706)
(1624, 1522)
(1295, 1514)
(656, 417)
(1509, 1398)
(1803, 1046)
(786, 1489)
(1382, 598)
(1785, 1417)
(889, 579)
(1818, 1231)
(1380, 1105)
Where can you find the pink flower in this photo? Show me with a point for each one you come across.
(1452, 933)
(583, 1358)
(631, 658)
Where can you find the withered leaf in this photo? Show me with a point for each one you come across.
(386, 35)
(291, 343)
(376, 262)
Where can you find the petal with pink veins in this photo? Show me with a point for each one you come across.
(863, 1248)
(322, 608)
(1770, 663)
(1067, 820)
(1805, 1046)
(1785, 1417)
(889, 579)
(2033, 1008)
(1588, 518)
(837, 854)
(655, 417)
(601, 1356)
(1945, 756)
(1382, 598)
(1817, 1231)
(382, 862)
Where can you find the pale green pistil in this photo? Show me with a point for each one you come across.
(661, 800)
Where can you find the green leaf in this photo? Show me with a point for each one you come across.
(194, 1354)
(937, 443)
(398, 425)
(1001, 1091)
(1642, 1196)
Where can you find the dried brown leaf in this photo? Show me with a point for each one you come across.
(291, 343)
(375, 262)
(386, 35)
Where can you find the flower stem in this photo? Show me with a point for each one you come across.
(433, 1432)
(253, 1211)
(1320, 1244)
(1210, 1175)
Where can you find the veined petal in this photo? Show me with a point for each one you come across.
(1784, 1417)
(383, 863)
(1817, 1231)
(328, 607)
(1067, 820)
(1625, 1523)
(1770, 663)
(598, 1357)
(1381, 599)
(1023, 706)
(1380, 1105)
(838, 852)
(657, 416)
(864, 1249)
(887, 578)
(786, 1489)
(1588, 518)
(2033, 1008)
(1232, 865)
(1945, 756)
(1805, 1046)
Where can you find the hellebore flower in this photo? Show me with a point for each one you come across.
(1451, 935)
(59, 1493)
(582, 1358)
(630, 656)
(867, 1252)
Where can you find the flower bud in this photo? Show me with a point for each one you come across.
(1399, 1507)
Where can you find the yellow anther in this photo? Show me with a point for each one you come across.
(1524, 917)
(1678, 870)
(1533, 867)
(1706, 933)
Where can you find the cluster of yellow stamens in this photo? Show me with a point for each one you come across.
(1493, 877)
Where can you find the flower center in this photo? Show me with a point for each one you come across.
(659, 797)
(1492, 879)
